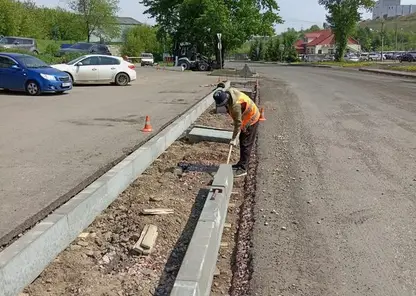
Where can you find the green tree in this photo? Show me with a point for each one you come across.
(140, 39)
(364, 37)
(288, 40)
(98, 16)
(314, 28)
(199, 21)
(342, 18)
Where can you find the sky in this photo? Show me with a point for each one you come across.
(297, 14)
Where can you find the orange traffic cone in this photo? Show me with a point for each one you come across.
(147, 126)
(262, 118)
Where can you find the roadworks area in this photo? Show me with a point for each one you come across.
(102, 260)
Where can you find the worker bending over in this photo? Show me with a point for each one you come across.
(245, 115)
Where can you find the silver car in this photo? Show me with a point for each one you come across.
(28, 44)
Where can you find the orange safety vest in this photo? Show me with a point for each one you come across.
(251, 113)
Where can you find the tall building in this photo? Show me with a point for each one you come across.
(391, 8)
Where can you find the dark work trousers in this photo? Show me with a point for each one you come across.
(247, 139)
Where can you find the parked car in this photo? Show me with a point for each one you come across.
(351, 58)
(85, 48)
(147, 59)
(23, 72)
(28, 44)
(375, 56)
(97, 69)
(408, 57)
(364, 56)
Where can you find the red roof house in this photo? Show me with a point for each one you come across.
(322, 42)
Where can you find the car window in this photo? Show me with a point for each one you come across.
(26, 41)
(102, 48)
(109, 61)
(5, 62)
(90, 61)
(8, 40)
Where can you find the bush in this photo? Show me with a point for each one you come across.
(52, 49)
(47, 57)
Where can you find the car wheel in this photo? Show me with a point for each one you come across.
(35, 52)
(122, 79)
(32, 88)
(202, 67)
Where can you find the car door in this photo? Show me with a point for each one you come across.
(108, 68)
(11, 77)
(87, 70)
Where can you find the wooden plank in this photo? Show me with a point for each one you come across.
(227, 225)
(157, 211)
(224, 245)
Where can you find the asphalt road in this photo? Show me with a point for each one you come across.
(50, 144)
(337, 162)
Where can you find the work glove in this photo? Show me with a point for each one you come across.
(233, 142)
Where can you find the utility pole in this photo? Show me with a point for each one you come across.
(382, 39)
(396, 35)
(220, 48)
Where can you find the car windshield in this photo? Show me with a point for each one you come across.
(83, 46)
(7, 40)
(147, 55)
(74, 61)
(32, 62)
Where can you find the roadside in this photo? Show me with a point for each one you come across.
(101, 262)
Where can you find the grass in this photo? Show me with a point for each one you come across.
(347, 64)
(408, 68)
(408, 23)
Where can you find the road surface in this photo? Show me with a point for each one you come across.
(337, 162)
(50, 144)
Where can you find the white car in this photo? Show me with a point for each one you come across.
(97, 69)
(147, 59)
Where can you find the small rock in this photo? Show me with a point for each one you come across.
(264, 216)
(155, 199)
(266, 223)
(295, 222)
(309, 201)
(283, 228)
(75, 247)
(319, 222)
(93, 235)
(82, 243)
(89, 253)
(261, 210)
(105, 259)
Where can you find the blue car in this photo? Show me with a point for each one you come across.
(27, 73)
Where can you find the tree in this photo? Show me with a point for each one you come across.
(199, 21)
(288, 40)
(99, 16)
(140, 39)
(314, 28)
(342, 18)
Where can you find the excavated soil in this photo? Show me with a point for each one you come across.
(102, 263)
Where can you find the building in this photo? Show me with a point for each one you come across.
(125, 24)
(322, 42)
(391, 8)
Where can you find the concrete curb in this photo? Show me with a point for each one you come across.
(206, 133)
(25, 259)
(387, 72)
(197, 270)
(174, 68)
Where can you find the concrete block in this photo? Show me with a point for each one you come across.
(224, 178)
(185, 288)
(142, 158)
(117, 180)
(200, 260)
(25, 259)
(147, 240)
(198, 134)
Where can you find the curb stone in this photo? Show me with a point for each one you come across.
(388, 72)
(27, 257)
(196, 273)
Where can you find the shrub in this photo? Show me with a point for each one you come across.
(46, 57)
(52, 49)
